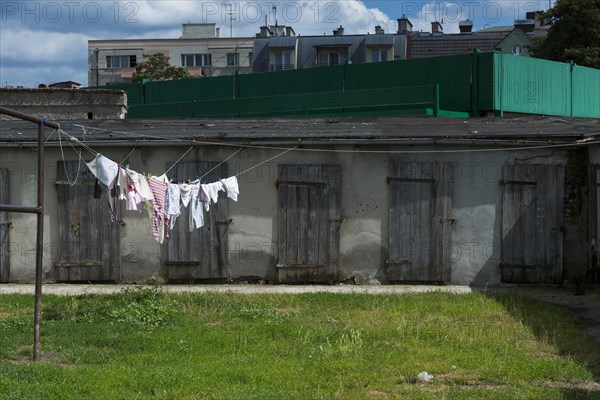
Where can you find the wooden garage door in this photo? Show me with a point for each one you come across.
(420, 221)
(532, 218)
(202, 253)
(89, 241)
(4, 243)
(309, 223)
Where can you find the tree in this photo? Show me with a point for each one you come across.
(574, 33)
(157, 68)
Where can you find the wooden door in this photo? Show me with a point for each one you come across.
(202, 253)
(4, 226)
(420, 221)
(532, 219)
(89, 241)
(309, 223)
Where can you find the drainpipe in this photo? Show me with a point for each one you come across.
(475, 83)
(571, 87)
(39, 210)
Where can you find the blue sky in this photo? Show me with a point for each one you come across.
(45, 41)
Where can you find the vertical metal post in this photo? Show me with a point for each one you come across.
(40, 243)
(39, 210)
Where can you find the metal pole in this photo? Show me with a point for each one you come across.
(39, 210)
(40, 245)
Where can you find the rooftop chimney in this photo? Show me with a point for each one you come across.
(264, 32)
(465, 26)
(378, 30)
(199, 31)
(339, 31)
(436, 28)
(536, 16)
(526, 25)
(404, 26)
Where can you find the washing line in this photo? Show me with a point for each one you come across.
(354, 151)
(77, 141)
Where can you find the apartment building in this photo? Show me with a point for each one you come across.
(200, 49)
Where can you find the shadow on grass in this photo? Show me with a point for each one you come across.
(580, 394)
(555, 326)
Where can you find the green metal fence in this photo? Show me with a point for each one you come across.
(414, 99)
(468, 84)
(586, 92)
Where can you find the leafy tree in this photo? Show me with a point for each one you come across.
(574, 33)
(157, 68)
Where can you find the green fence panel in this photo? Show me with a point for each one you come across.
(250, 107)
(533, 86)
(452, 73)
(487, 93)
(311, 80)
(195, 89)
(372, 99)
(586, 92)
(168, 110)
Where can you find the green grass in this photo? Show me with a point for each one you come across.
(144, 343)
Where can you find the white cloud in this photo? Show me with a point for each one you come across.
(19, 45)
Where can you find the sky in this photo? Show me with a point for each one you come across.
(46, 41)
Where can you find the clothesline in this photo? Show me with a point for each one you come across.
(408, 140)
(158, 195)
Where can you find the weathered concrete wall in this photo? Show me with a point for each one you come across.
(66, 104)
(477, 207)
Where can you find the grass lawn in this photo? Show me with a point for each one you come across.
(144, 343)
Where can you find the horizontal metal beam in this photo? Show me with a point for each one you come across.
(299, 183)
(409, 180)
(20, 209)
(27, 117)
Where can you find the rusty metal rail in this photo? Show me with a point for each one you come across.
(39, 210)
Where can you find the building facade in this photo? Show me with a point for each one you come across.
(200, 49)
(397, 200)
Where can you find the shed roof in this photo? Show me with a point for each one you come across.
(461, 43)
(322, 131)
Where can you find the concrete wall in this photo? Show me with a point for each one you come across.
(477, 207)
(66, 104)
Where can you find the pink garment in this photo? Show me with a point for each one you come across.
(134, 201)
(160, 218)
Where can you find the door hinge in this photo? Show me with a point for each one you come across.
(451, 220)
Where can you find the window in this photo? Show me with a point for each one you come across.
(282, 57)
(196, 60)
(283, 61)
(120, 61)
(233, 59)
(332, 58)
(379, 55)
(250, 58)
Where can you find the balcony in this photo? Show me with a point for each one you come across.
(282, 67)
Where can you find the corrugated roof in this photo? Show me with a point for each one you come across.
(431, 46)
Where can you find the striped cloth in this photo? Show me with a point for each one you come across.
(160, 226)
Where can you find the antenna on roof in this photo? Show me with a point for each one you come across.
(231, 19)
